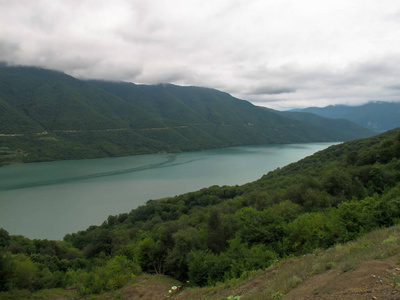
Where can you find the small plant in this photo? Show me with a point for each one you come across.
(331, 265)
(233, 297)
(277, 295)
(390, 240)
(118, 295)
(84, 291)
(295, 281)
(395, 278)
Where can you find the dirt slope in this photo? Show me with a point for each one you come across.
(377, 279)
(372, 280)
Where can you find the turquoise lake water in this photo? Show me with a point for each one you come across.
(51, 199)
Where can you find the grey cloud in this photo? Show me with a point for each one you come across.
(108, 70)
(266, 100)
(176, 75)
(8, 50)
(272, 90)
(387, 66)
(366, 73)
(354, 83)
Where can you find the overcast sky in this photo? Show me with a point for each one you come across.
(275, 53)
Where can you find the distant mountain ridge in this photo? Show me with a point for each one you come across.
(48, 115)
(340, 125)
(378, 116)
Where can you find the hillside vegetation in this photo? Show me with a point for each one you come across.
(220, 234)
(47, 115)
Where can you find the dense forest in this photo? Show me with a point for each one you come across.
(47, 115)
(220, 233)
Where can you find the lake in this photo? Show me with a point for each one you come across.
(50, 199)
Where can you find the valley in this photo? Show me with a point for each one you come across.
(228, 240)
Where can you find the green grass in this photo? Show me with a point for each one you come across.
(42, 294)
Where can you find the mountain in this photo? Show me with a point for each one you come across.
(47, 115)
(377, 116)
(350, 129)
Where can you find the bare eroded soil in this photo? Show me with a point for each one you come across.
(377, 279)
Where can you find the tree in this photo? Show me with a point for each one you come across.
(260, 226)
(24, 272)
(151, 255)
(308, 231)
(4, 237)
(5, 271)
(198, 270)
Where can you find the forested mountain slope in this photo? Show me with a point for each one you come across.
(208, 105)
(47, 115)
(351, 129)
(378, 116)
(222, 233)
